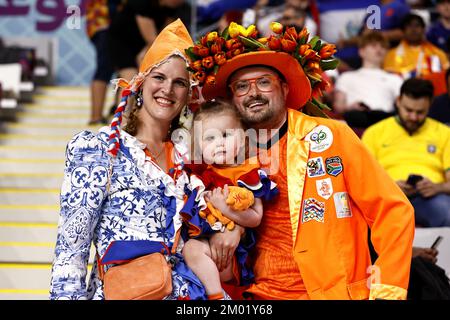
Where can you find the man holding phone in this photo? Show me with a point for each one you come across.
(415, 151)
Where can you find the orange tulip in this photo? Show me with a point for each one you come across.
(291, 34)
(220, 58)
(211, 80)
(196, 65)
(288, 45)
(208, 62)
(274, 43)
(302, 49)
(304, 34)
(233, 44)
(327, 51)
(200, 76)
(310, 54)
(215, 48)
(201, 51)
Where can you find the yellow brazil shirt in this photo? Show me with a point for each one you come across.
(426, 152)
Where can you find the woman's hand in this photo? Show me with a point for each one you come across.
(223, 245)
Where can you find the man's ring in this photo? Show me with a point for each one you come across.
(224, 255)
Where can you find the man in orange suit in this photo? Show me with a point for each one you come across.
(313, 240)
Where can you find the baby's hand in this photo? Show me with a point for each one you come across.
(218, 198)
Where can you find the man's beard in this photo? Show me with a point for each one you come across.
(409, 128)
(255, 118)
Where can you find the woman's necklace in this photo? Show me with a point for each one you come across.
(159, 153)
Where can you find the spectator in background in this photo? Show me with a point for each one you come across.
(97, 23)
(134, 27)
(411, 143)
(440, 109)
(369, 88)
(297, 13)
(415, 56)
(392, 13)
(440, 30)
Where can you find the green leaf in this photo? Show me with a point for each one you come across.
(317, 46)
(225, 34)
(329, 64)
(313, 41)
(321, 105)
(190, 53)
(215, 69)
(249, 42)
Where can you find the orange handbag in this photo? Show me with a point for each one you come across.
(144, 278)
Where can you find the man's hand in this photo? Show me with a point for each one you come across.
(223, 245)
(426, 253)
(427, 189)
(407, 189)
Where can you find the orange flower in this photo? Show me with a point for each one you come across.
(291, 34)
(302, 49)
(288, 45)
(220, 58)
(233, 44)
(304, 34)
(276, 27)
(220, 42)
(200, 76)
(204, 41)
(215, 48)
(274, 43)
(196, 65)
(211, 80)
(314, 66)
(327, 51)
(208, 62)
(310, 54)
(201, 51)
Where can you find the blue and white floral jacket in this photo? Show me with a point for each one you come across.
(140, 198)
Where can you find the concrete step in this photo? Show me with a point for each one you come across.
(14, 153)
(26, 281)
(27, 234)
(21, 165)
(31, 180)
(27, 140)
(29, 213)
(11, 196)
(26, 118)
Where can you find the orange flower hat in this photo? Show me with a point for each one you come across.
(172, 40)
(299, 59)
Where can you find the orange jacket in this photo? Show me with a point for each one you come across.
(332, 200)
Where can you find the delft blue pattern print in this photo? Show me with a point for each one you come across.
(135, 208)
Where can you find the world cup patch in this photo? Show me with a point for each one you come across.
(334, 166)
(320, 138)
(313, 210)
(342, 205)
(315, 167)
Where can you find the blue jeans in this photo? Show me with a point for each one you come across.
(432, 212)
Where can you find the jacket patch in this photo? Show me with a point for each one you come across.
(315, 167)
(324, 188)
(320, 138)
(334, 166)
(342, 205)
(313, 210)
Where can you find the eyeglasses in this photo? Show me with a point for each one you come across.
(264, 84)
